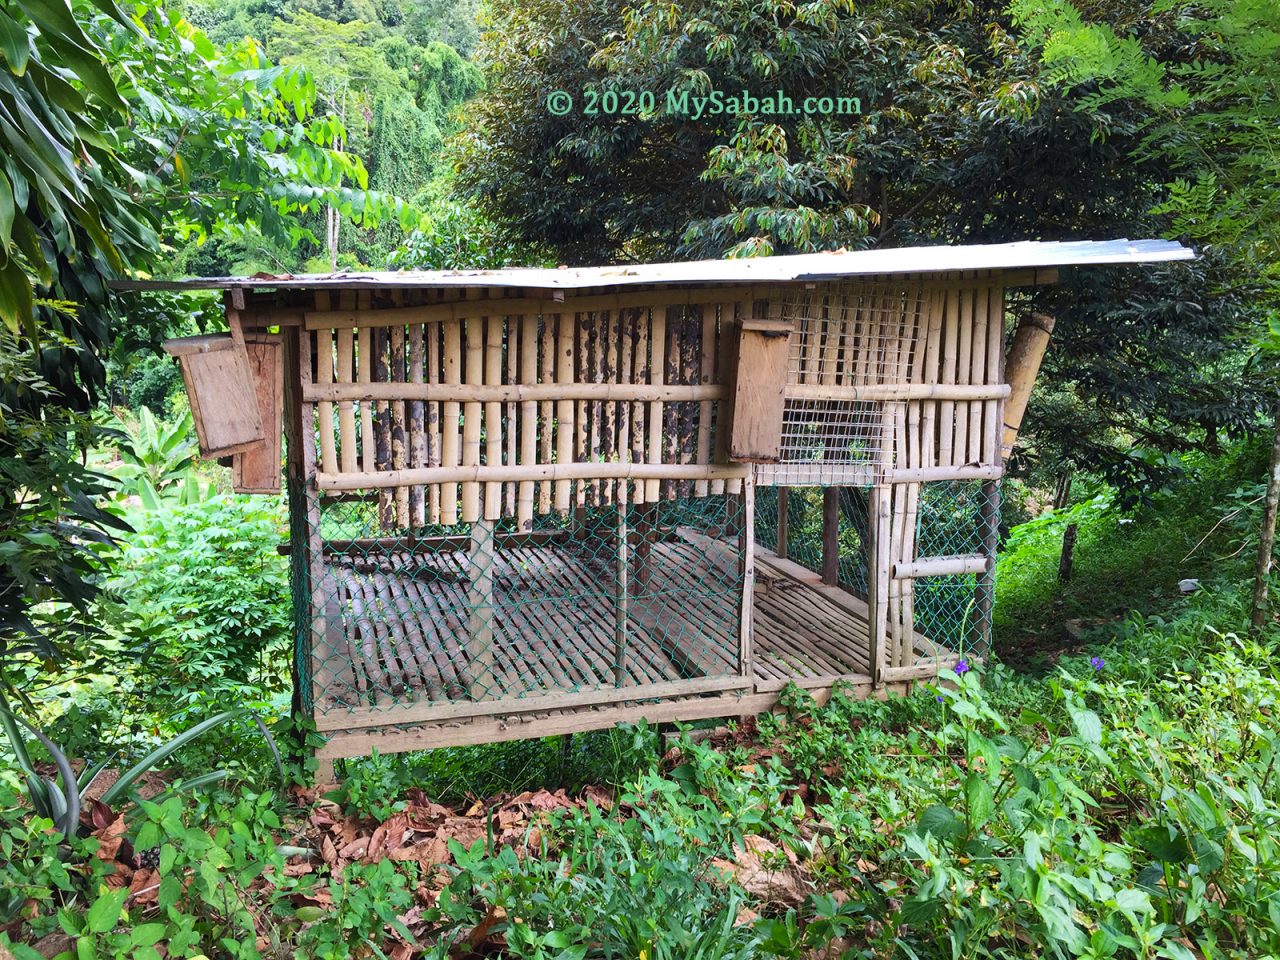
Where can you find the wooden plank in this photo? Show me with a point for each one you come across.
(831, 535)
(760, 383)
(512, 724)
(256, 469)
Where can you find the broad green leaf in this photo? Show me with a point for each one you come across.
(104, 912)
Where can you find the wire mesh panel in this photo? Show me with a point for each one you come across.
(954, 611)
(617, 596)
(802, 530)
(853, 334)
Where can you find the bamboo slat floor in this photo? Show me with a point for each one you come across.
(404, 620)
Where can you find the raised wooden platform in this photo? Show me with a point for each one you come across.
(402, 673)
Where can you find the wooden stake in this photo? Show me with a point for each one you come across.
(783, 523)
(831, 536)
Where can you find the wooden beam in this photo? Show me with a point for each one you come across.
(514, 392)
(831, 536)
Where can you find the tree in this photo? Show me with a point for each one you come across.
(119, 134)
(1214, 117)
(960, 137)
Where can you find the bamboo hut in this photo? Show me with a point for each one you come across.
(536, 501)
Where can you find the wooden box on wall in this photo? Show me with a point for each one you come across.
(760, 382)
(220, 386)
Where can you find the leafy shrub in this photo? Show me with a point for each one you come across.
(203, 603)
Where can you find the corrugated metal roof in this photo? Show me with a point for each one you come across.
(800, 267)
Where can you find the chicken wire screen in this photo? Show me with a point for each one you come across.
(852, 334)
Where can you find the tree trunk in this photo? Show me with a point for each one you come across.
(1267, 533)
(1067, 558)
(1066, 562)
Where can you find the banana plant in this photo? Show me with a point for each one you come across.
(157, 459)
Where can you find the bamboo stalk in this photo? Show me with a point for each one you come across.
(399, 435)
(747, 549)
(528, 350)
(964, 373)
(565, 429)
(609, 375)
(450, 449)
(479, 473)
(417, 427)
(546, 411)
(995, 354)
(640, 410)
(950, 349)
(706, 375)
(493, 492)
(346, 409)
(978, 374)
(582, 452)
(433, 337)
(626, 342)
(472, 416)
(658, 375)
(324, 374)
(510, 423)
(594, 392)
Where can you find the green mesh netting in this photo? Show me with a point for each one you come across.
(478, 612)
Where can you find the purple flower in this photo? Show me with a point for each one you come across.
(1097, 663)
(962, 667)
(940, 698)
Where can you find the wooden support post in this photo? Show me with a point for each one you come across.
(621, 588)
(480, 601)
(783, 522)
(831, 536)
(645, 529)
(879, 521)
(747, 549)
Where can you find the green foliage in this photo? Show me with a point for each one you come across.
(157, 456)
(204, 601)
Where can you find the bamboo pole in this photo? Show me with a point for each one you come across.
(564, 408)
(528, 350)
(324, 374)
(1030, 340)
(450, 450)
(433, 336)
(594, 392)
(417, 426)
(493, 424)
(657, 375)
(964, 372)
(706, 376)
(479, 474)
(978, 373)
(582, 452)
(639, 410)
(947, 413)
(399, 417)
(546, 410)
(472, 417)
(346, 409)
